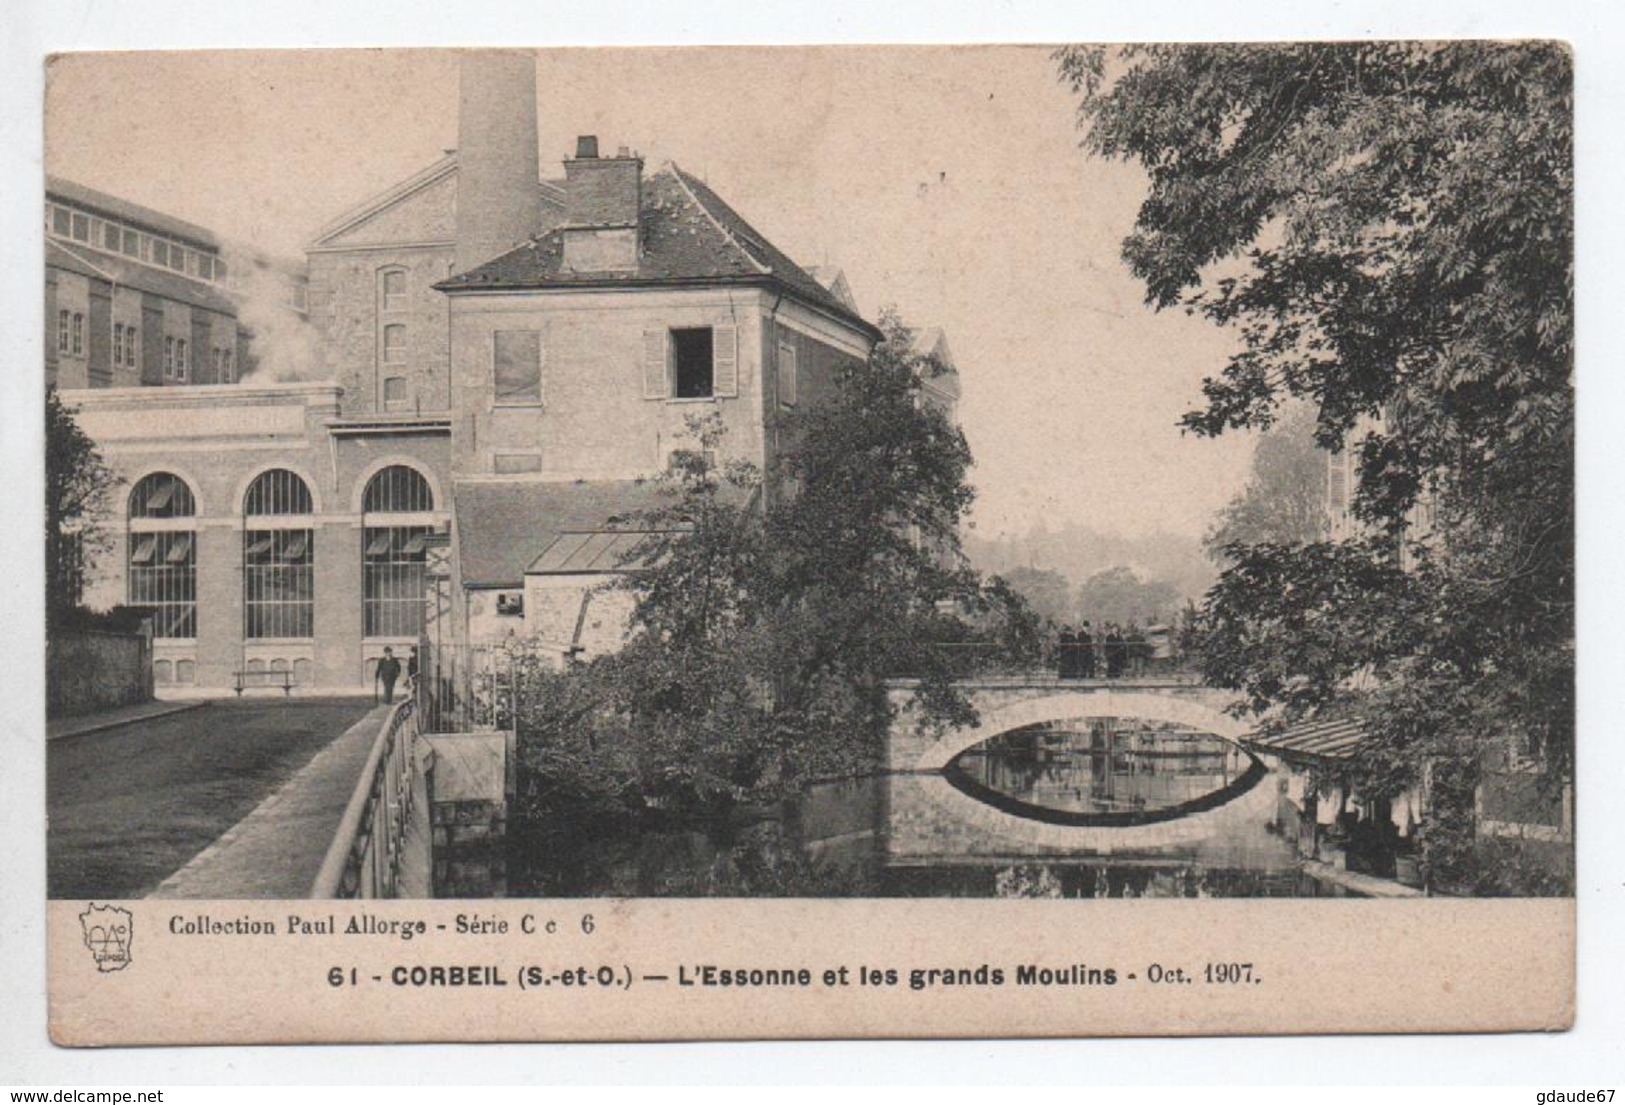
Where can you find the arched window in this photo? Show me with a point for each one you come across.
(396, 523)
(279, 557)
(163, 554)
(397, 490)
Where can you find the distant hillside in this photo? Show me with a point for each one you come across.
(1078, 552)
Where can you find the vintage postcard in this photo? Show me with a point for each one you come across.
(809, 542)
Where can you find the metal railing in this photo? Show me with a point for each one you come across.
(364, 860)
(475, 688)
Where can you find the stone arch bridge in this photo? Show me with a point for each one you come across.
(929, 819)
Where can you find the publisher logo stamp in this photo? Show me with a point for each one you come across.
(109, 931)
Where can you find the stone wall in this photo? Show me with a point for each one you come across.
(468, 791)
(348, 311)
(593, 420)
(89, 670)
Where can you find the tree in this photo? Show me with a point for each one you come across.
(77, 485)
(1047, 592)
(1284, 502)
(772, 608)
(1120, 595)
(1388, 228)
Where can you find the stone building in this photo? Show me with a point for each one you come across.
(503, 364)
(133, 297)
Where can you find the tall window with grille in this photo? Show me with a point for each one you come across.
(279, 558)
(163, 554)
(397, 519)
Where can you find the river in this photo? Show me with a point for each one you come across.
(1086, 808)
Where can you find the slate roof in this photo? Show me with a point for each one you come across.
(503, 526)
(689, 237)
(132, 274)
(1324, 740)
(80, 195)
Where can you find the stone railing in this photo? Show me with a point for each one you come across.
(364, 860)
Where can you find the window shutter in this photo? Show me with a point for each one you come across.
(655, 377)
(787, 375)
(725, 361)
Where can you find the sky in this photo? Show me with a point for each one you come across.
(947, 181)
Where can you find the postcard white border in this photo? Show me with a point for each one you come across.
(38, 26)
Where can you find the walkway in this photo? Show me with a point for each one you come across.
(276, 850)
(57, 728)
(130, 804)
(416, 879)
(1366, 886)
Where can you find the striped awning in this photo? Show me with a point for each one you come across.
(1319, 740)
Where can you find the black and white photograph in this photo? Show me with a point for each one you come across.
(888, 474)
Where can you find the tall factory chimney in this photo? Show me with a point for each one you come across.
(499, 202)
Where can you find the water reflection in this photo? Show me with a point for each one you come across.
(1105, 771)
(907, 834)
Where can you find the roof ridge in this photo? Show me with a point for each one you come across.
(682, 182)
(111, 203)
(362, 210)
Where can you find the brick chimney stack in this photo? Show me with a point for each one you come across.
(603, 198)
(499, 203)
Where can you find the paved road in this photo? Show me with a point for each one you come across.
(131, 805)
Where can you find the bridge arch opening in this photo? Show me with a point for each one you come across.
(1068, 705)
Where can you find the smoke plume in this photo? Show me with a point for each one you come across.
(271, 310)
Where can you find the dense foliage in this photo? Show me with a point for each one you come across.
(1122, 595)
(1047, 592)
(773, 606)
(77, 484)
(1388, 229)
(1284, 502)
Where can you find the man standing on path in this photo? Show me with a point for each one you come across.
(389, 670)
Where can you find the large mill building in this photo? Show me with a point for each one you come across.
(504, 362)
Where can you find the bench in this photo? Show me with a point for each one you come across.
(245, 679)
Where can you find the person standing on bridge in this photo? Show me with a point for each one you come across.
(1114, 651)
(389, 670)
(1134, 648)
(1086, 651)
(1066, 654)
